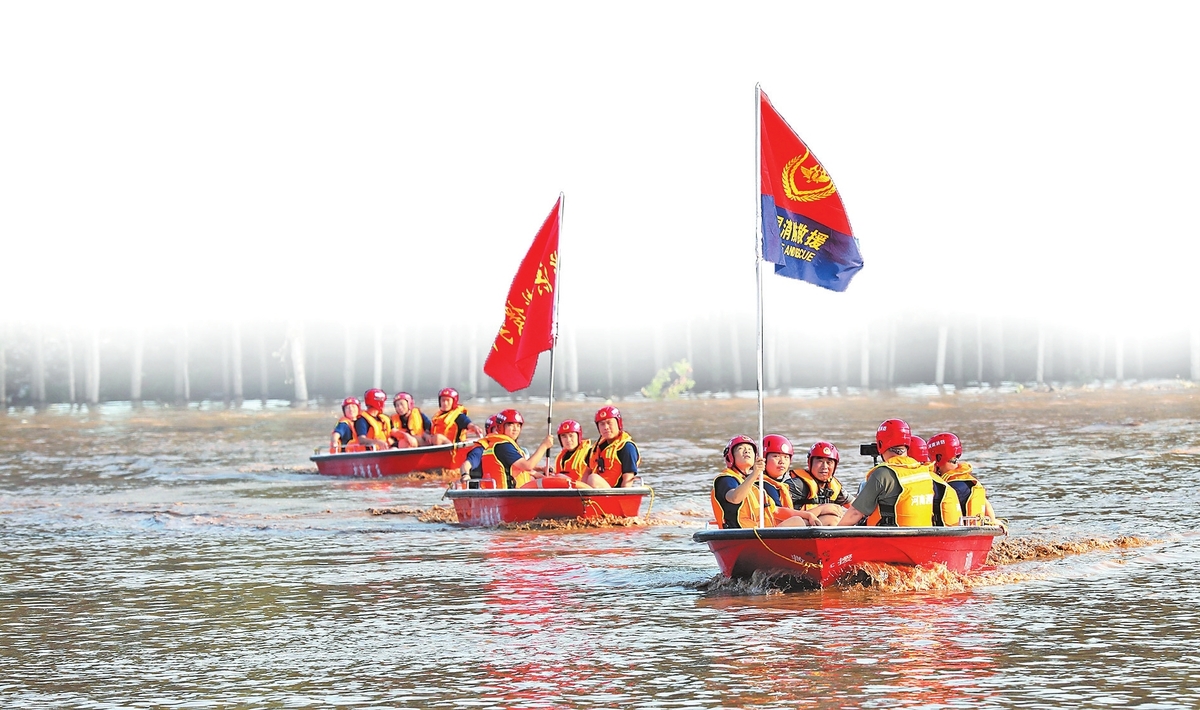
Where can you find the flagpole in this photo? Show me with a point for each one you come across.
(554, 327)
(758, 268)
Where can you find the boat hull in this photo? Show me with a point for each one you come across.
(493, 507)
(823, 555)
(393, 462)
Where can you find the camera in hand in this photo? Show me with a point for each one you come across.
(868, 450)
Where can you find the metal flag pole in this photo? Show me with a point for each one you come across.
(758, 268)
(554, 327)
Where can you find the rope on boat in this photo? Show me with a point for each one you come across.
(790, 560)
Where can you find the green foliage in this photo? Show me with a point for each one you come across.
(670, 382)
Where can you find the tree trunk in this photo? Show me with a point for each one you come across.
(398, 363)
(135, 373)
(299, 379)
(348, 356)
(39, 368)
(377, 371)
(70, 368)
(93, 385)
(182, 386)
(236, 357)
(939, 374)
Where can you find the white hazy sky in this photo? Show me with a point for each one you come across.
(248, 159)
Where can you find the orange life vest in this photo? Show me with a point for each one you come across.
(977, 502)
(415, 425)
(353, 437)
(603, 459)
(494, 469)
(574, 464)
(785, 496)
(914, 506)
(379, 426)
(744, 514)
(814, 489)
(446, 424)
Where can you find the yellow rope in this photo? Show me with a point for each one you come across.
(782, 557)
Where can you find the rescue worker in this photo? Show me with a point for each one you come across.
(373, 426)
(503, 460)
(899, 491)
(343, 437)
(735, 497)
(918, 450)
(472, 468)
(777, 457)
(572, 461)
(451, 424)
(816, 488)
(409, 423)
(945, 448)
(613, 461)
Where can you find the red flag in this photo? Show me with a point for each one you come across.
(528, 328)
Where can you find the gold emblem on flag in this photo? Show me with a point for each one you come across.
(817, 183)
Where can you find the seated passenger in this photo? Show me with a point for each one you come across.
(777, 459)
(899, 491)
(451, 424)
(343, 437)
(503, 460)
(816, 488)
(918, 450)
(613, 461)
(572, 461)
(735, 497)
(409, 424)
(373, 426)
(472, 468)
(946, 449)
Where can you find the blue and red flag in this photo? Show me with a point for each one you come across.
(805, 231)
(528, 328)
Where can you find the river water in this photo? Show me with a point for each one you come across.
(165, 558)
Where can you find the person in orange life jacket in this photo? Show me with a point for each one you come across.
(945, 502)
(972, 498)
(777, 457)
(518, 467)
(451, 424)
(343, 434)
(572, 461)
(472, 468)
(899, 491)
(816, 488)
(373, 426)
(409, 424)
(613, 462)
(734, 494)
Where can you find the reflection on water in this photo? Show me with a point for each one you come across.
(167, 558)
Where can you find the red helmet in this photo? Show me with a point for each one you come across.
(740, 439)
(893, 432)
(351, 400)
(569, 426)
(375, 397)
(452, 394)
(917, 449)
(610, 412)
(489, 425)
(403, 396)
(824, 450)
(944, 447)
(776, 444)
(509, 416)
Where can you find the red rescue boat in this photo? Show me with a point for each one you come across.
(518, 505)
(823, 555)
(393, 462)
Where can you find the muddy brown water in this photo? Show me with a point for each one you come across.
(164, 557)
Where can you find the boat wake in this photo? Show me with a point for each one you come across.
(446, 514)
(1005, 552)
